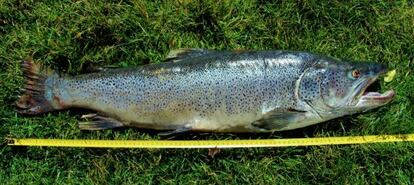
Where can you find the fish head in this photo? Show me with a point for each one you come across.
(338, 87)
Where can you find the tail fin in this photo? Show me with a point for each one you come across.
(33, 101)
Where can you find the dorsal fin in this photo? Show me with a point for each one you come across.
(185, 53)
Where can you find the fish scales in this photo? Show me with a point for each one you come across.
(219, 90)
(247, 91)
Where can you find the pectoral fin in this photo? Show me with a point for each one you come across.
(279, 119)
(98, 122)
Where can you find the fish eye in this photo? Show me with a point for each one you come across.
(356, 73)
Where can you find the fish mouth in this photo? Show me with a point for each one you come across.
(368, 95)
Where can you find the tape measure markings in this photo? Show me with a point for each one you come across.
(86, 143)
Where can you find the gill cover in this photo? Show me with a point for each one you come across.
(327, 85)
(331, 84)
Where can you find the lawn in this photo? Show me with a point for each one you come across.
(73, 36)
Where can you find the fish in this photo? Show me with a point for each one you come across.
(206, 90)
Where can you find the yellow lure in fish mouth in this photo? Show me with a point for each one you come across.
(390, 75)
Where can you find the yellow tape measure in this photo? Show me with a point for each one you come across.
(211, 143)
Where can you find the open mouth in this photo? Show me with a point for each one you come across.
(371, 93)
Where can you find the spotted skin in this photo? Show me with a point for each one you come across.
(244, 91)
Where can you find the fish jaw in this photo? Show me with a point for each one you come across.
(364, 101)
(370, 100)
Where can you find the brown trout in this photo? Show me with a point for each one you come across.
(206, 90)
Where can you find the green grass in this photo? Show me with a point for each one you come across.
(72, 36)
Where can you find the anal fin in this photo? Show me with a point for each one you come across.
(176, 131)
(98, 122)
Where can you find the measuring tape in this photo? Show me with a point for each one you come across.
(211, 143)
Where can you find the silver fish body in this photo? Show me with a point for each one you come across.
(203, 90)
